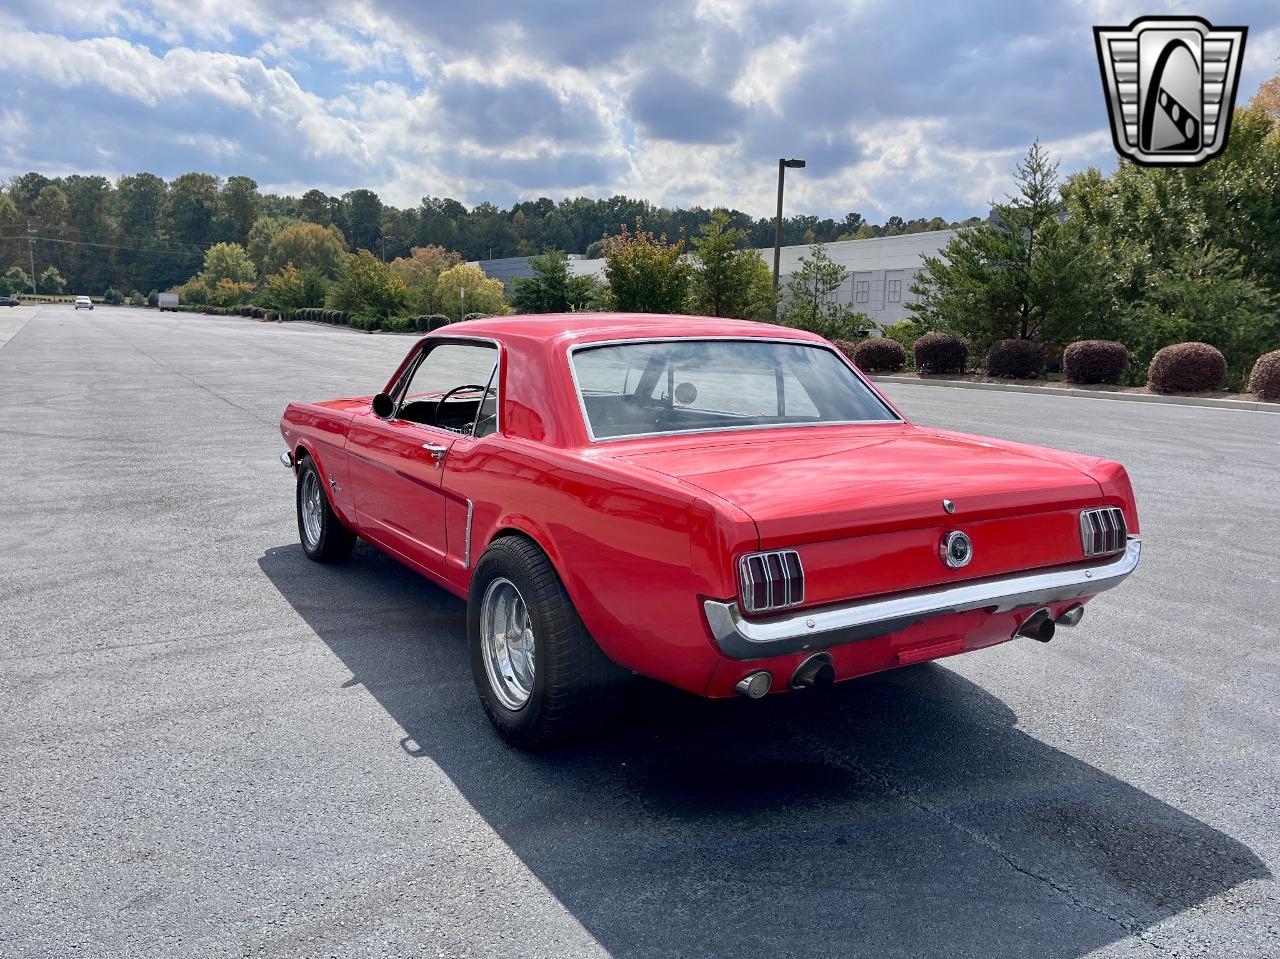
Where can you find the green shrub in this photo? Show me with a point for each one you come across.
(1094, 361)
(1264, 381)
(435, 320)
(940, 352)
(1187, 368)
(878, 355)
(1016, 359)
(113, 296)
(905, 332)
(153, 298)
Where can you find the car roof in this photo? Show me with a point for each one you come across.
(572, 328)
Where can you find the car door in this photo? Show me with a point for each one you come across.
(397, 464)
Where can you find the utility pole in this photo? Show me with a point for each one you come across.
(31, 248)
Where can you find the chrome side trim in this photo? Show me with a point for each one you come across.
(741, 638)
(466, 549)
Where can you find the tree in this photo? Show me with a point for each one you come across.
(308, 247)
(811, 299)
(15, 280)
(645, 273)
(52, 282)
(367, 287)
(264, 230)
(228, 261)
(316, 207)
(420, 271)
(1204, 296)
(483, 295)
(238, 206)
(729, 279)
(294, 289)
(1024, 273)
(553, 288)
(190, 207)
(360, 215)
(1268, 96)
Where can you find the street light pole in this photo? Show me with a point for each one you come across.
(777, 226)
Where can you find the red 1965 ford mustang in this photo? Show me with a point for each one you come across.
(726, 506)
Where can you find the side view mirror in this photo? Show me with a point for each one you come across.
(383, 406)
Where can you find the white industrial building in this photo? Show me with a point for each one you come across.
(881, 270)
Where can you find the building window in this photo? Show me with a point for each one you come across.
(862, 291)
(895, 291)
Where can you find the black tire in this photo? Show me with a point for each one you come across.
(576, 687)
(333, 541)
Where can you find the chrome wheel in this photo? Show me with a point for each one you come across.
(312, 514)
(507, 643)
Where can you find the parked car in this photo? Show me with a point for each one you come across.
(9, 301)
(84, 303)
(725, 506)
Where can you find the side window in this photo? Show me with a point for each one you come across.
(454, 387)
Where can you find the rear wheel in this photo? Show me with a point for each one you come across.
(324, 537)
(541, 677)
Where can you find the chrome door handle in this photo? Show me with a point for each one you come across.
(437, 452)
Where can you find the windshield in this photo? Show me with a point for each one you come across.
(682, 386)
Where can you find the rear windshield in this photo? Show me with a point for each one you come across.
(682, 386)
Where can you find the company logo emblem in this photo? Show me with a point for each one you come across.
(1171, 85)
(956, 549)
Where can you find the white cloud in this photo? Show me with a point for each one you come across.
(908, 109)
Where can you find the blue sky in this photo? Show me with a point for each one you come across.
(911, 107)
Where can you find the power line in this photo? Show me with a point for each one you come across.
(107, 246)
(8, 224)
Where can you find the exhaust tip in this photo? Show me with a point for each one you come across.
(816, 671)
(1072, 616)
(755, 685)
(1038, 626)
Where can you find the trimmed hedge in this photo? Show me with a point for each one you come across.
(428, 322)
(1265, 378)
(1095, 361)
(940, 352)
(318, 314)
(1187, 368)
(1016, 359)
(879, 355)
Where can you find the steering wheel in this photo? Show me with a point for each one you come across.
(435, 416)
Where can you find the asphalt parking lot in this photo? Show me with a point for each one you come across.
(211, 747)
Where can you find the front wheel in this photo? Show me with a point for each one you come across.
(324, 537)
(541, 677)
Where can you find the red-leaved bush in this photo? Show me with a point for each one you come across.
(1094, 361)
(1016, 359)
(879, 355)
(1187, 368)
(1265, 378)
(940, 352)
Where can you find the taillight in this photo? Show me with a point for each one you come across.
(1103, 531)
(772, 580)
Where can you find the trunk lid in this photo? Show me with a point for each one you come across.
(865, 509)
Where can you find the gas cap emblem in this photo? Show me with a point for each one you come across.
(956, 549)
(949, 506)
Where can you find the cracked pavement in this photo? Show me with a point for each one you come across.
(211, 747)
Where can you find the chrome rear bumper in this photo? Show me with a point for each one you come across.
(742, 638)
